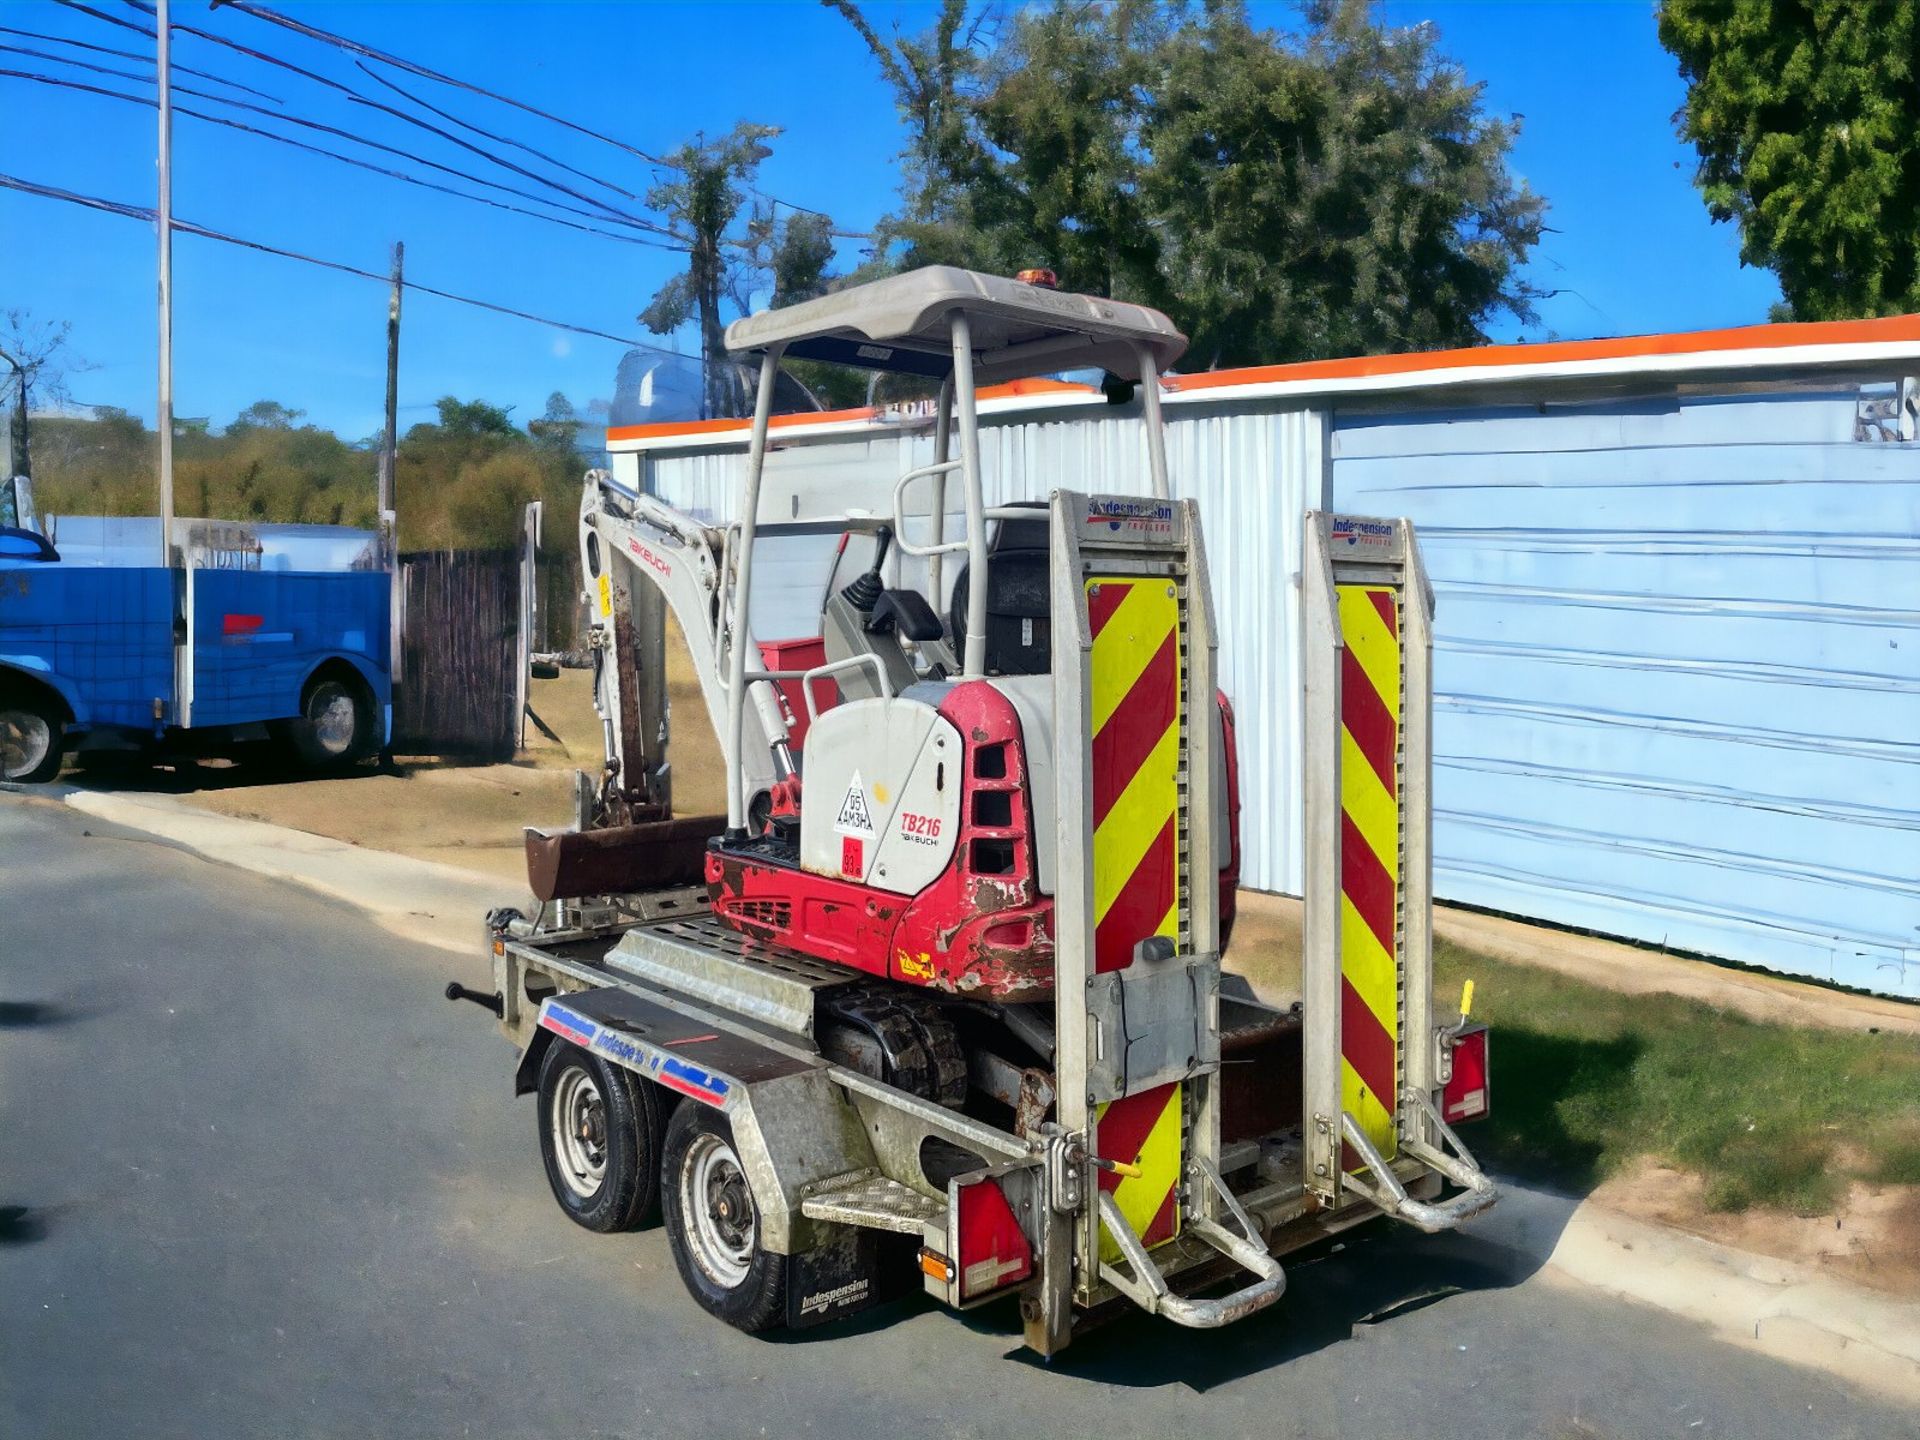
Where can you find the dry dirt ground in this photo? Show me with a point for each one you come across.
(1872, 1237)
(468, 815)
(473, 816)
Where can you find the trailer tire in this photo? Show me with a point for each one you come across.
(599, 1139)
(31, 731)
(336, 723)
(713, 1224)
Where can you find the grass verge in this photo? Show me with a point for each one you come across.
(1586, 1080)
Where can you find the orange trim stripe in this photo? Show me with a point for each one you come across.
(1889, 329)
(1884, 330)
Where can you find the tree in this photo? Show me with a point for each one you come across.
(1806, 118)
(264, 415)
(702, 202)
(36, 356)
(473, 419)
(1282, 196)
(559, 429)
(1343, 195)
(932, 78)
(802, 254)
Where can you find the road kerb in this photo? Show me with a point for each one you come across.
(1783, 1310)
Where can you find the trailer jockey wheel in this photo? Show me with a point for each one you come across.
(600, 1139)
(713, 1224)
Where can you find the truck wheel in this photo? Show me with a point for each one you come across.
(713, 1224)
(335, 725)
(30, 734)
(600, 1139)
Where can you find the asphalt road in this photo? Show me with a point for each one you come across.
(257, 1178)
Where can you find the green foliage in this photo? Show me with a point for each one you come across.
(802, 256)
(471, 419)
(1586, 1080)
(932, 77)
(702, 201)
(264, 415)
(559, 428)
(1806, 118)
(1282, 197)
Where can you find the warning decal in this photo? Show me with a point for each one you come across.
(854, 814)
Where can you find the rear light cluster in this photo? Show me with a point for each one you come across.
(1466, 1095)
(990, 1251)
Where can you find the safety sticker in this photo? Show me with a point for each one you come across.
(855, 816)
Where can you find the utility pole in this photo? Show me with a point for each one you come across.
(20, 460)
(164, 63)
(389, 449)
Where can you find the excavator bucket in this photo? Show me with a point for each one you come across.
(620, 860)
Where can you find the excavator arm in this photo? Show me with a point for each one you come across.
(640, 555)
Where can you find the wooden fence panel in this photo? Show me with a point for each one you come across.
(459, 644)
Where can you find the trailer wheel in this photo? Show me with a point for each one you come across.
(336, 721)
(713, 1224)
(30, 731)
(600, 1139)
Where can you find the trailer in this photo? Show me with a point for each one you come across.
(246, 638)
(940, 1001)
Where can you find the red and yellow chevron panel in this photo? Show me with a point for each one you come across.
(1137, 693)
(1142, 1130)
(1370, 861)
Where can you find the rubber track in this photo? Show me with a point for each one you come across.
(921, 1049)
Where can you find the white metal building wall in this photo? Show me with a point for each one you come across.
(1256, 471)
(1677, 668)
(1677, 671)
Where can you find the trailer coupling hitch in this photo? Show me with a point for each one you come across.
(495, 1004)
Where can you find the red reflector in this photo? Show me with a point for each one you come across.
(241, 624)
(1467, 1096)
(993, 1250)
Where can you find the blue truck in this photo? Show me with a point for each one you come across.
(260, 632)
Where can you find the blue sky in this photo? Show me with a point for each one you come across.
(1632, 250)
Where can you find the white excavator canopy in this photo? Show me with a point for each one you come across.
(1018, 330)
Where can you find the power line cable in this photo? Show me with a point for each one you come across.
(359, 99)
(121, 74)
(628, 238)
(354, 47)
(260, 12)
(453, 119)
(133, 55)
(147, 214)
(606, 212)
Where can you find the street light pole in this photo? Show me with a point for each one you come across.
(164, 62)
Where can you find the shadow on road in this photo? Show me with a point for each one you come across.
(187, 775)
(1368, 1277)
(37, 1014)
(22, 1224)
(1379, 1275)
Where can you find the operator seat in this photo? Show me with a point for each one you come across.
(1019, 598)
